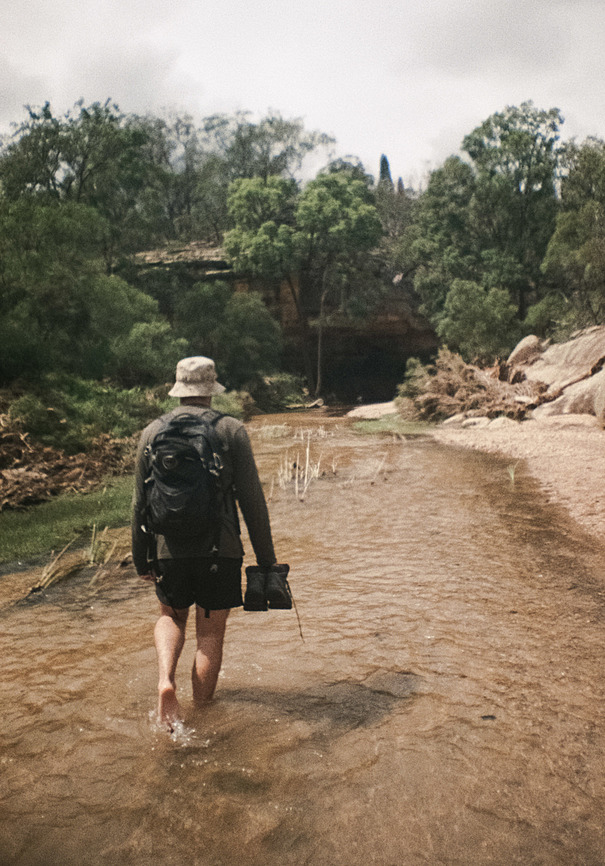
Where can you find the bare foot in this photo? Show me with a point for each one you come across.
(169, 710)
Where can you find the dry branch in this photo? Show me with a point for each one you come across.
(454, 387)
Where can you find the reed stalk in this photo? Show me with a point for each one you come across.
(511, 469)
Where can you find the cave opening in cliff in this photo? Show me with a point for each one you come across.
(370, 376)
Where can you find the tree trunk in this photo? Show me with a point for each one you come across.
(320, 330)
(305, 336)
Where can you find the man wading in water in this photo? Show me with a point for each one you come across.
(201, 563)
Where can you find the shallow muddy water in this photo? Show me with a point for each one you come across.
(445, 707)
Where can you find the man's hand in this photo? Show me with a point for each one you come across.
(150, 576)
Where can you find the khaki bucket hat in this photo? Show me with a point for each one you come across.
(196, 377)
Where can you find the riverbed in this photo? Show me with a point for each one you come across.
(444, 704)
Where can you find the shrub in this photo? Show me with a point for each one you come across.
(234, 328)
(414, 379)
(231, 403)
(70, 413)
(480, 324)
(554, 316)
(147, 354)
(275, 393)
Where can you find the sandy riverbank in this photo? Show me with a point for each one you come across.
(565, 453)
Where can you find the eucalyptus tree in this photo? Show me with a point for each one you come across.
(574, 263)
(207, 155)
(441, 245)
(487, 220)
(515, 156)
(320, 236)
(96, 156)
(262, 243)
(273, 146)
(336, 227)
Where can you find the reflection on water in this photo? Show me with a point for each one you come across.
(446, 705)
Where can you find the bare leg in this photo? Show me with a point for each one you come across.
(169, 640)
(209, 655)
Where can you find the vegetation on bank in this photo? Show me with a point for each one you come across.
(505, 238)
(391, 425)
(51, 525)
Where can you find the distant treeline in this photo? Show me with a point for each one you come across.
(507, 239)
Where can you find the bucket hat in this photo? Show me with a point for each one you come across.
(196, 377)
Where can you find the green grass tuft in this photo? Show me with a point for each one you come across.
(25, 535)
(393, 423)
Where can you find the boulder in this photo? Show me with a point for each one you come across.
(478, 422)
(563, 364)
(454, 420)
(586, 397)
(571, 373)
(502, 422)
(373, 410)
(599, 404)
(528, 350)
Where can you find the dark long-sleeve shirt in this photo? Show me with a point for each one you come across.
(239, 480)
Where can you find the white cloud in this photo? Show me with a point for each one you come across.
(409, 79)
(17, 89)
(136, 78)
(480, 37)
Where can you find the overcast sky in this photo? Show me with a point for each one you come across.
(408, 78)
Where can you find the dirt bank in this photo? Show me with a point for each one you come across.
(565, 453)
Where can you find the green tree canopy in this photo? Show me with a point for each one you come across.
(480, 324)
(336, 226)
(95, 156)
(575, 259)
(322, 233)
(274, 146)
(515, 156)
(262, 244)
(208, 155)
(441, 242)
(385, 172)
(255, 201)
(58, 309)
(488, 221)
(234, 328)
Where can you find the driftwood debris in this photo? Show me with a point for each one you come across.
(32, 473)
(552, 379)
(453, 387)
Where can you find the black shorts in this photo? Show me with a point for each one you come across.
(193, 580)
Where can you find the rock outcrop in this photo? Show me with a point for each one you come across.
(538, 380)
(572, 373)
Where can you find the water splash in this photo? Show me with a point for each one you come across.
(177, 732)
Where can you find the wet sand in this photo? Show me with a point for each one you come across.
(564, 453)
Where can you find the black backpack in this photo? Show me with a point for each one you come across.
(183, 488)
